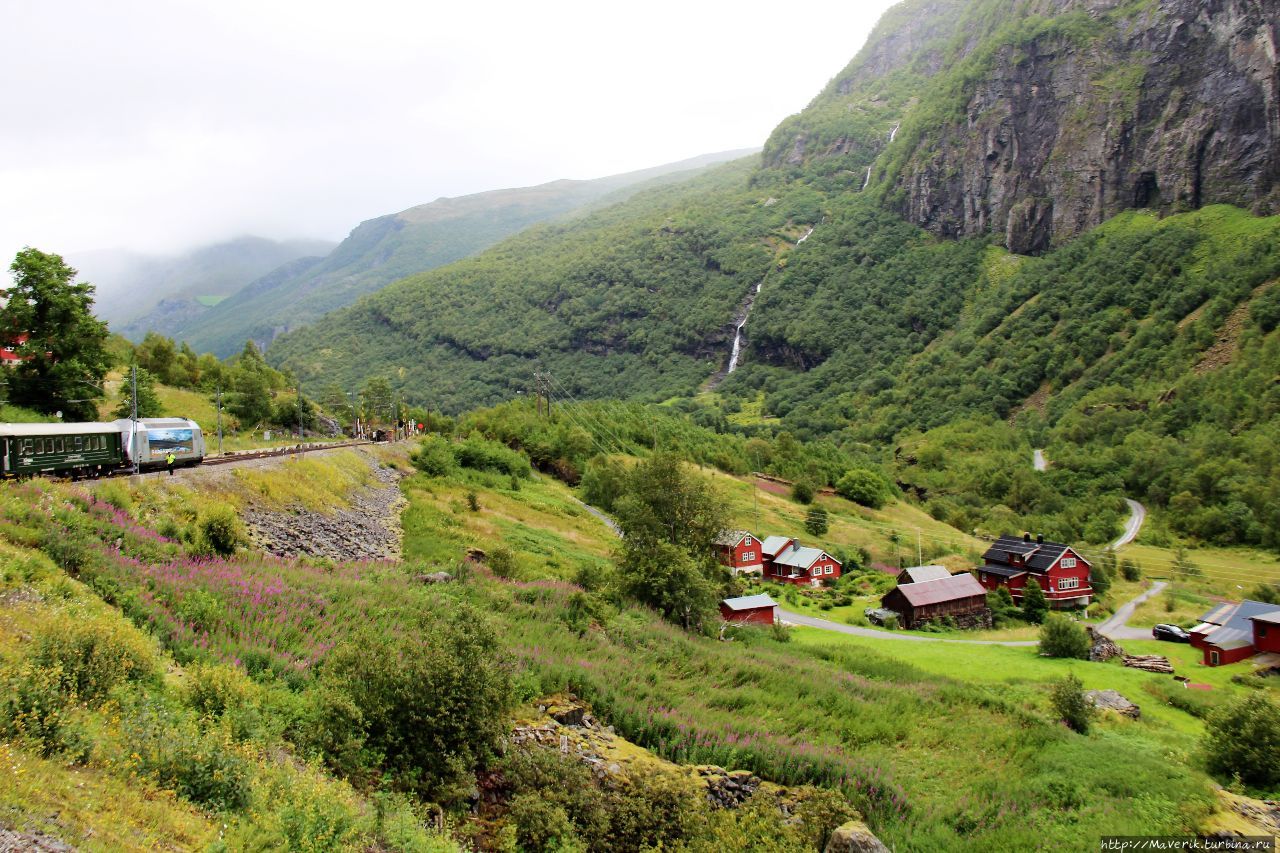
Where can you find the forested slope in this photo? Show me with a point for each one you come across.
(904, 310)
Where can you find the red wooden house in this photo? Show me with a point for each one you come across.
(786, 561)
(749, 609)
(740, 551)
(960, 597)
(1266, 631)
(1230, 632)
(9, 356)
(1062, 573)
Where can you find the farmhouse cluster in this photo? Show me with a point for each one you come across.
(1233, 632)
(923, 593)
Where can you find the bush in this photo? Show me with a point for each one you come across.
(203, 767)
(802, 491)
(502, 562)
(484, 455)
(218, 530)
(93, 656)
(891, 623)
(434, 456)
(542, 825)
(1130, 570)
(424, 705)
(1060, 637)
(1070, 705)
(1243, 739)
(33, 706)
(863, 486)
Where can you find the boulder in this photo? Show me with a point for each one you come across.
(1110, 700)
(854, 837)
(567, 714)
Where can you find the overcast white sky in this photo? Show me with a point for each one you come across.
(163, 125)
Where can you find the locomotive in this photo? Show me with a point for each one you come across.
(92, 449)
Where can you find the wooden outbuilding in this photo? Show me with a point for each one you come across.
(749, 610)
(958, 596)
(1228, 633)
(919, 574)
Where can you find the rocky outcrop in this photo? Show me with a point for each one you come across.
(1110, 700)
(854, 837)
(368, 529)
(1054, 127)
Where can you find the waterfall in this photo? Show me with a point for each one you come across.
(894, 132)
(798, 242)
(737, 332)
(867, 182)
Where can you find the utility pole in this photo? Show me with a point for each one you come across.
(133, 453)
(919, 550)
(219, 417)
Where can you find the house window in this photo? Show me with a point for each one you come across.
(830, 570)
(1068, 562)
(748, 555)
(1068, 583)
(1214, 660)
(746, 541)
(1262, 631)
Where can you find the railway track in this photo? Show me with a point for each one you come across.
(230, 458)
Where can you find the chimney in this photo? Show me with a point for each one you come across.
(1039, 538)
(1026, 537)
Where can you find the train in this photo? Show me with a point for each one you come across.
(97, 449)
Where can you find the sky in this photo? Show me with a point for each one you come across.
(161, 126)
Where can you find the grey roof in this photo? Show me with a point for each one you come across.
(732, 537)
(57, 429)
(1038, 556)
(1236, 626)
(773, 544)
(919, 574)
(1003, 571)
(749, 602)
(801, 558)
(1272, 618)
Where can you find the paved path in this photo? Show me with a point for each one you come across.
(1137, 515)
(1117, 628)
(1037, 460)
(609, 522)
(825, 625)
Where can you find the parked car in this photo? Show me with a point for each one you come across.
(1172, 633)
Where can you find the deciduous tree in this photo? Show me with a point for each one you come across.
(64, 358)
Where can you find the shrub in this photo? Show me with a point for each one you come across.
(33, 706)
(219, 530)
(69, 549)
(1266, 592)
(891, 623)
(473, 502)
(863, 486)
(434, 456)
(93, 656)
(1070, 705)
(802, 491)
(1130, 570)
(426, 704)
(484, 455)
(1243, 739)
(1060, 637)
(203, 767)
(541, 825)
(502, 562)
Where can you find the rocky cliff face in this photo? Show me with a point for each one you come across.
(1090, 107)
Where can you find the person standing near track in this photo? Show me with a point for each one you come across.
(169, 460)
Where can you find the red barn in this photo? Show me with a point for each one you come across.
(1062, 573)
(1266, 631)
(959, 596)
(1226, 634)
(740, 551)
(750, 610)
(786, 561)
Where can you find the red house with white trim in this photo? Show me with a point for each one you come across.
(1230, 633)
(9, 356)
(786, 561)
(1060, 571)
(740, 551)
(1266, 631)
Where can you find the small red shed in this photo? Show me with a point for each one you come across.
(749, 609)
(1227, 633)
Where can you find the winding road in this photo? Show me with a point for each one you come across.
(1116, 627)
(871, 633)
(1137, 512)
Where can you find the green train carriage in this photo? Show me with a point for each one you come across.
(76, 449)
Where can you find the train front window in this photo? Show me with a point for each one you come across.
(79, 443)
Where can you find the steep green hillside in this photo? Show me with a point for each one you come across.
(421, 238)
(137, 294)
(903, 310)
